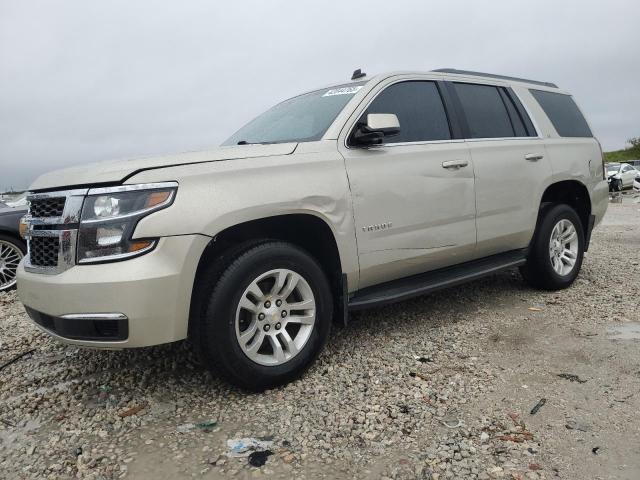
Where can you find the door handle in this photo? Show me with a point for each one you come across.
(533, 157)
(455, 164)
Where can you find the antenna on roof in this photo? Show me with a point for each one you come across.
(358, 74)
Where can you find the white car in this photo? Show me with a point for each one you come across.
(621, 176)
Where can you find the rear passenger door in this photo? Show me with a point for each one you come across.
(413, 197)
(509, 161)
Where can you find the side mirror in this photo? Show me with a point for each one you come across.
(378, 126)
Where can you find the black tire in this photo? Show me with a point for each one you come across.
(539, 271)
(619, 187)
(20, 245)
(213, 323)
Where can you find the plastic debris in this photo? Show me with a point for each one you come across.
(484, 437)
(571, 377)
(538, 406)
(104, 388)
(534, 309)
(243, 447)
(534, 466)
(258, 459)
(207, 426)
(595, 450)
(423, 359)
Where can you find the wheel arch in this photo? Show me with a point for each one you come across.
(305, 230)
(570, 192)
(13, 235)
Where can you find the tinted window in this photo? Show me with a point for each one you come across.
(563, 113)
(486, 113)
(419, 109)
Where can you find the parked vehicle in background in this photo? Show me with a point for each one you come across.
(12, 246)
(18, 202)
(636, 184)
(620, 176)
(634, 163)
(346, 197)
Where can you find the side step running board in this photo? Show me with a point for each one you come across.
(409, 287)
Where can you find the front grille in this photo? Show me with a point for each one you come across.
(43, 251)
(52, 230)
(47, 207)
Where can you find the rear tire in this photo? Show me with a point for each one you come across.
(557, 249)
(265, 315)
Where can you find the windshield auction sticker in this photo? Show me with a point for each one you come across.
(342, 91)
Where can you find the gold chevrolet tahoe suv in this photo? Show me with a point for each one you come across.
(345, 197)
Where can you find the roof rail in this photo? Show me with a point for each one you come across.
(491, 75)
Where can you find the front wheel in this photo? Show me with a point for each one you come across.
(11, 252)
(266, 318)
(556, 252)
(619, 185)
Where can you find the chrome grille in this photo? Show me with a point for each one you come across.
(43, 251)
(47, 207)
(52, 231)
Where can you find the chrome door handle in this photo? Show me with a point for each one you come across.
(455, 164)
(533, 157)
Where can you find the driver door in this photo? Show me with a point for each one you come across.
(413, 196)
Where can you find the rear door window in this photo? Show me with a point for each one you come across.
(419, 108)
(563, 113)
(485, 111)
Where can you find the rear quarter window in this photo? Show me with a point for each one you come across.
(563, 113)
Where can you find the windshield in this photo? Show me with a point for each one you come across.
(304, 118)
(613, 167)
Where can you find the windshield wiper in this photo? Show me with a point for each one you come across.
(244, 142)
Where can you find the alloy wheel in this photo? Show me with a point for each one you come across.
(563, 247)
(275, 317)
(10, 256)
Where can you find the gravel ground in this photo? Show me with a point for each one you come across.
(438, 387)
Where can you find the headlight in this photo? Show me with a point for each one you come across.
(109, 218)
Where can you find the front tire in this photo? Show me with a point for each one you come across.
(266, 318)
(557, 249)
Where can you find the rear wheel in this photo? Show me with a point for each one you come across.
(11, 252)
(556, 252)
(266, 318)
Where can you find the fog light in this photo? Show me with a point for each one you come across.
(106, 237)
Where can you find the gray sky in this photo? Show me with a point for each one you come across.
(83, 81)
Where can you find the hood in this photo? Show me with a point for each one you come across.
(116, 171)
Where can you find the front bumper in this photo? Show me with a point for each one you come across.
(153, 293)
